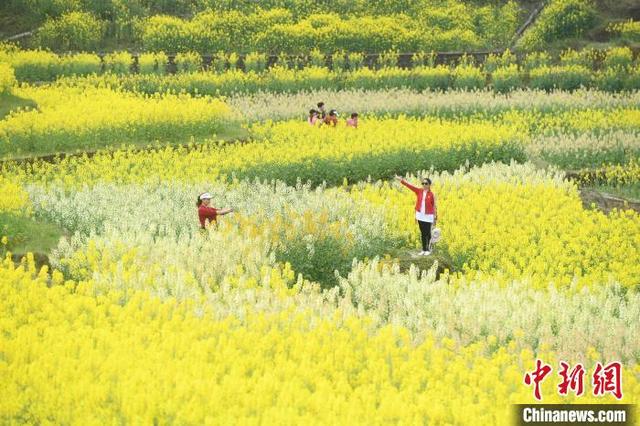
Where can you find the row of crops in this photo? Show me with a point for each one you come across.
(477, 125)
(39, 65)
(282, 80)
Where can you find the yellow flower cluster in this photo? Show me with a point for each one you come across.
(7, 78)
(620, 174)
(628, 29)
(13, 198)
(521, 226)
(70, 118)
(70, 357)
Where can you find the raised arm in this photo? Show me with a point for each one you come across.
(407, 184)
(222, 212)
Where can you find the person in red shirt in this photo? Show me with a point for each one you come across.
(207, 213)
(426, 211)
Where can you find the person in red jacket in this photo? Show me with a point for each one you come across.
(207, 213)
(426, 211)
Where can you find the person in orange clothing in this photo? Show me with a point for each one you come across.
(208, 214)
(426, 211)
(332, 118)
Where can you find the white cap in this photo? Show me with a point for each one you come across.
(206, 196)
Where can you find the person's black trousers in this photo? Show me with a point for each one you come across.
(425, 231)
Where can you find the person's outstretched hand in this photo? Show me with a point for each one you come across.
(398, 178)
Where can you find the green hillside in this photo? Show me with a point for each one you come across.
(296, 26)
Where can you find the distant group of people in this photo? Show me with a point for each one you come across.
(320, 117)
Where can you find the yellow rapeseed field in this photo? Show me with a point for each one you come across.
(142, 317)
(70, 357)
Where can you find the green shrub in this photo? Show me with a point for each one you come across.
(256, 62)
(188, 62)
(7, 78)
(388, 59)
(468, 77)
(27, 234)
(356, 60)
(628, 31)
(232, 60)
(611, 79)
(41, 9)
(339, 61)
(210, 31)
(618, 57)
(34, 65)
(167, 34)
(118, 62)
(300, 61)
(632, 81)
(466, 60)
(559, 20)
(583, 58)
(124, 20)
(153, 63)
(71, 31)
(424, 59)
(536, 60)
(565, 78)
(431, 78)
(276, 31)
(494, 62)
(506, 79)
(315, 256)
(316, 58)
(497, 24)
(81, 64)
(219, 62)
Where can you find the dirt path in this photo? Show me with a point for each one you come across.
(606, 202)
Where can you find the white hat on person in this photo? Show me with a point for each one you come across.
(435, 235)
(206, 196)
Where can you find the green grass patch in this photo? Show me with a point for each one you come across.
(27, 234)
(228, 132)
(10, 102)
(405, 258)
(630, 192)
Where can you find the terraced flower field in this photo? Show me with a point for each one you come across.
(308, 303)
